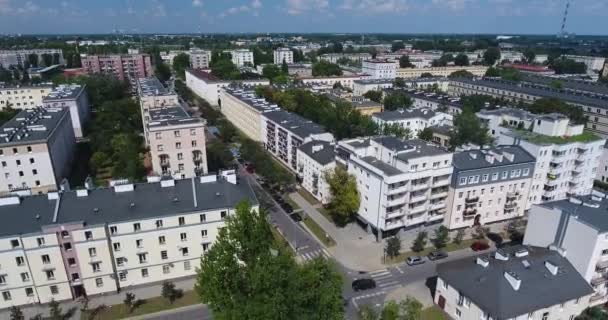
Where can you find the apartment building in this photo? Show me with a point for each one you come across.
(283, 55)
(315, 160)
(415, 120)
(73, 97)
(567, 159)
(129, 67)
(241, 57)
(36, 150)
(101, 240)
(360, 87)
(602, 169)
(488, 186)
(442, 134)
(244, 110)
(521, 282)
(577, 227)
(570, 85)
(595, 107)
(380, 69)
(283, 132)
(346, 81)
(23, 97)
(594, 64)
(356, 57)
(199, 59)
(402, 183)
(20, 57)
(440, 71)
(207, 86)
(153, 95)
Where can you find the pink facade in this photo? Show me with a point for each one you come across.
(124, 67)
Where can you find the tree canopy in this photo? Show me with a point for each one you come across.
(468, 129)
(247, 275)
(374, 95)
(404, 62)
(325, 69)
(345, 198)
(181, 62)
(550, 105)
(461, 60)
(564, 65)
(491, 55)
(461, 74)
(397, 100)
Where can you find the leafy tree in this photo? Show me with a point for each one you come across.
(5, 75)
(458, 237)
(399, 82)
(409, 309)
(324, 69)
(393, 246)
(345, 198)
(16, 313)
(404, 62)
(162, 71)
(374, 95)
(366, 312)
(426, 75)
(510, 74)
(284, 67)
(468, 129)
(556, 84)
(181, 62)
(271, 71)
(397, 100)
(243, 276)
(396, 130)
(56, 58)
(593, 313)
(564, 65)
(397, 45)
(492, 72)
(529, 55)
(218, 156)
(420, 242)
(441, 238)
(491, 55)
(461, 74)
(47, 59)
(56, 313)
(426, 134)
(461, 60)
(33, 60)
(551, 105)
(169, 292)
(129, 301)
(222, 67)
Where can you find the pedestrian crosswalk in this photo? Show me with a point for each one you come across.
(314, 254)
(385, 279)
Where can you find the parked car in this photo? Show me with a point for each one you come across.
(414, 260)
(295, 217)
(480, 246)
(287, 207)
(363, 284)
(437, 255)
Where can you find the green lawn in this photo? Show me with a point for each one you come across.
(319, 232)
(308, 197)
(538, 138)
(450, 247)
(152, 305)
(433, 313)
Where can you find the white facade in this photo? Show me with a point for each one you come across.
(244, 110)
(334, 57)
(401, 183)
(415, 120)
(241, 57)
(315, 160)
(440, 71)
(208, 87)
(594, 64)
(329, 82)
(23, 97)
(380, 69)
(602, 169)
(199, 59)
(283, 55)
(20, 57)
(73, 97)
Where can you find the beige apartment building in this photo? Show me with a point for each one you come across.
(244, 110)
(440, 71)
(23, 97)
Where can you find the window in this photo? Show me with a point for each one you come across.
(25, 277)
(144, 273)
(92, 252)
(157, 135)
(143, 257)
(166, 269)
(40, 241)
(159, 223)
(185, 252)
(99, 282)
(205, 247)
(186, 265)
(161, 240)
(204, 233)
(113, 229)
(50, 275)
(159, 147)
(18, 162)
(29, 292)
(545, 316)
(485, 177)
(176, 133)
(122, 276)
(458, 313)
(223, 215)
(96, 267)
(194, 143)
(120, 261)
(163, 255)
(15, 243)
(6, 295)
(136, 227)
(192, 132)
(183, 236)
(178, 145)
(71, 262)
(203, 217)
(526, 172)
(463, 181)
(139, 243)
(88, 235)
(32, 160)
(504, 174)
(180, 156)
(182, 221)
(3, 279)
(495, 176)
(67, 246)
(116, 246)
(46, 259)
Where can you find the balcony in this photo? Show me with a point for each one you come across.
(510, 205)
(471, 200)
(396, 202)
(597, 297)
(551, 176)
(470, 212)
(601, 265)
(437, 205)
(417, 209)
(419, 186)
(441, 194)
(417, 198)
(394, 214)
(396, 190)
(599, 280)
(441, 182)
(512, 196)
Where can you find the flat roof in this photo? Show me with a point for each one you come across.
(386, 168)
(488, 288)
(170, 116)
(442, 129)
(588, 209)
(65, 92)
(567, 84)
(476, 159)
(31, 126)
(203, 75)
(19, 87)
(420, 149)
(151, 86)
(400, 114)
(323, 156)
(249, 97)
(298, 125)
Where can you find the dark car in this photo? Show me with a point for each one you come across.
(437, 255)
(480, 246)
(296, 217)
(287, 207)
(363, 284)
(414, 260)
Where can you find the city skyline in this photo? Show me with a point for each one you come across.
(308, 16)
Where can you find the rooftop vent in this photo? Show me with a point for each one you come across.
(82, 192)
(88, 183)
(591, 204)
(501, 255)
(553, 268)
(53, 195)
(575, 200)
(5, 201)
(473, 155)
(152, 179)
(513, 279)
(521, 253)
(167, 183)
(208, 178)
(482, 261)
(526, 264)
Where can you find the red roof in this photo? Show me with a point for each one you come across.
(528, 67)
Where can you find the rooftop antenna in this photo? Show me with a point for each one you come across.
(562, 33)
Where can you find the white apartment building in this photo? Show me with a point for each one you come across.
(36, 150)
(512, 56)
(199, 59)
(283, 55)
(283, 132)
(602, 169)
(23, 97)
(73, 97)
(518, 283)
(567, 159)
(415, 120)
(380, 69)
(207, 86)
(334, 57)
(402, 183)
(241, 57)
(346, 81)
(578, 227)
(594, 64)
(315, 160)
(244, 110)
(360, 87)
(153, 95)
(93, 241)
(20, 57)
(488, 186)
(440, 71)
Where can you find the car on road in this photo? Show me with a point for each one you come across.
(295, 217)
(287, 207)
(414, 260)
(363, 284)
(437, 255)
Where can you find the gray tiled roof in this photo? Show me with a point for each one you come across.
(323, 156)
(567, 84)
(32, 126)
(402, 114)
(464, 160)
(422, 149)
(296, 124)
(442, 129)
(488, 289)
(386, 168)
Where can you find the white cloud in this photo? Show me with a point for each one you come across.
(453, 5)
(297, 7)
(253, 8)
(5, 7)
(256, 4)
(28, 7)
(158, 9)
(375, 6)
(197, 3)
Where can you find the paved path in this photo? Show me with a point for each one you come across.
(197, 311)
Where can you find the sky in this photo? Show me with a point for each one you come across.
(335, 16)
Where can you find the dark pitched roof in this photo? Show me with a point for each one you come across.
(476, 159)
(324, 156)
(487, 287)
(591, 210)
(32, 125)
(298, 125)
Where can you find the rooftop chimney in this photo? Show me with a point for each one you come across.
(482, 261)
(88, 183)
(65, 185)
(167, 183)
(513, 279)
(501, 255)
(229, 175)
(317, 148)
(553, 268)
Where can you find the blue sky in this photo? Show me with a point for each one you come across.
(390, 16)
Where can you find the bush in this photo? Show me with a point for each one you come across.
(480, 246)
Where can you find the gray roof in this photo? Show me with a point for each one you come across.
(32, 126)
(595, 217)
(514, 112)
(570, 85)
(476, 159)
(323, 156)
(299, 126)
(420, 148)
(386, 168)
(151, 86)
(170, 116)
(442, 129)
(65, 92)
(248, 96)
(403, 114)
(105, 206)
(488, 289)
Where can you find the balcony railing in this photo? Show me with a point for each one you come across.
(599, 280)
(510, 205)
(471, 200)
(469, 212)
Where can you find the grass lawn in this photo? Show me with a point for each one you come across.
(450, 247)
(433, 313)
(151, 305)
(308, 197)
(319, 232)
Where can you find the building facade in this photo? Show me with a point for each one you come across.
(488, 186)
(315, 160)
(380, 69)
(241, 57)
(439, 71)
(208, 87)
(124, 67)
(199, 59)
(415, 120)
(73, 97)
(244, 110)
(21, 57)
(283, 55)
(23, 97)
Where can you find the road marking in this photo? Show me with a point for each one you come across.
(375, 294)
(303, 247)
(383, 277)
(380, 275)
(378, 271)
(327, 253)
(399, 269)
(390, 288)
(305, 256)
(386, 284)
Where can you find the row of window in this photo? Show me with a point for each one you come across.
(178, 145)
(16, 151)
(159, 223)
(6, 295)
(122, 276)
(18, 162)
(503, 175)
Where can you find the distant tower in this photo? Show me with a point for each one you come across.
(562, 33)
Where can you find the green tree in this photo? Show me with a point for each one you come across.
(47, 59)
(491, 55)
(566, 66)
(367, 312)
(5, 75)
(56, 58)
(222, 67)
(33, 60)
(551, 105)
(16, 313)
(461, 74)
(244, 276)
(420, 242)
(492, 72)
(441, 238)
(270, 71)
(181, 62)
(397, 45)
(399, 82)
(461, 60)
(593, 313)
(129, 301)
(374, 95)
(325, 69)
(169, 291)
(218, 156)
(397, 100)
(162, 71)
(345, 197)
(284, 67)
(426, 75)
(426, 134)
(404, 62)
(529, 55)
(468, 129)
(458, 237)
(393, 246)
(408, 309)
(56, 313)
